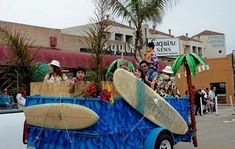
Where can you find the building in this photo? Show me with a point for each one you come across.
(214, 43)
(52, 43)
(120, 37)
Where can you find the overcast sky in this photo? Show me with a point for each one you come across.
(187, 16)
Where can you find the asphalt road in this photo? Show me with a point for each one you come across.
(214, 131)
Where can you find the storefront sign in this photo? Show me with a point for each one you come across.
(117, 49)
(166, 47)
(216, 41)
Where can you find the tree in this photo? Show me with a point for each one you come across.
(190, 62)
(97, 37)
(139, 11)
(18, 67)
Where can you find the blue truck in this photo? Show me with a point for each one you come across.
(120, 127)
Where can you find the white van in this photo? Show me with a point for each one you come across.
(11, 129)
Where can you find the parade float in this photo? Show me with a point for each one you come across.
(107, 120)
(125, 113)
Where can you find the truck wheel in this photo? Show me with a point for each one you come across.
(164, 141)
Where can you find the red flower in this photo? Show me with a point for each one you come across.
(91, 90)
(105, 95)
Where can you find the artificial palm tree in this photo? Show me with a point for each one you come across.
(116, 64)
(139, 11)
(190, 62)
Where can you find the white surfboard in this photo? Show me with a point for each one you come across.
(147, 102)
(61, 116)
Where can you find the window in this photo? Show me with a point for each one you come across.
(200, 51)
(187, 49)
(87, 50)
(118, 37)
(194, 49)
(129, 39)
(220, 87)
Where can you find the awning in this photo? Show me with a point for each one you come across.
(68, 59)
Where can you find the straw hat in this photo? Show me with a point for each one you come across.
(55, 63)
(167, 69)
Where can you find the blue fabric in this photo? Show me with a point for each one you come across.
(6, 101)
(151, 73)
(113, 130)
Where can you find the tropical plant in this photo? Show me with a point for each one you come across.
(18, 67)
(190, 62)
(97, 37)
(139, 11)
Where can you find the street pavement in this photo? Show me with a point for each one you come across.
(214, 131)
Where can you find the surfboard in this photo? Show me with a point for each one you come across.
(147, 102)
(60, 116)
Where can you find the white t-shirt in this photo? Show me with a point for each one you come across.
(21, 100)
(55, 79)
(205, 94)
(211, 94)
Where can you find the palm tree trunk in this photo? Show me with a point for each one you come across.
(191, 101)
(138, 42)
(136, 45)
(98, 69)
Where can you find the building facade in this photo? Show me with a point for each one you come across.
(214, 43)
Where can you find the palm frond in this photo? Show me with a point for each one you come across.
(19, 64)
(177, 63)
(110, 68)
(131, 66)
(199, 59)
(124, 8)
(191, 63)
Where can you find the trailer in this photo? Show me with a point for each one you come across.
(120, 127)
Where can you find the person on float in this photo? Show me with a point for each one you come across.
(78, 79)
(164, 84)
(151, 58)
(56, 74)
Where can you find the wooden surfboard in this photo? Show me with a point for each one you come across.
(61, 116)
(147, 102)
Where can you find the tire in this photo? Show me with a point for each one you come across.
(164, 141)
